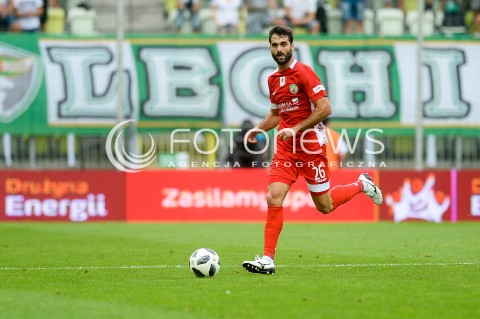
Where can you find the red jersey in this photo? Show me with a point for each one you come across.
(293, 92)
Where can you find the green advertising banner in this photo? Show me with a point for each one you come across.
(55, 85)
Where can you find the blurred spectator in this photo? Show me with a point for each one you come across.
(81, 19)
(226, 15)
(44, 15)
(55, 5)
(409, 5)
(322, 7)
(261, 15)
(302, 13)
(193, 6)
(398, 4)
(454, 16)
(412, 5)
(47, 4)
(244, 156)
(353, 15)
(84, 5)
(169, 6)
(55, 20)
(475, 7)
(6, 18)
(27, 14)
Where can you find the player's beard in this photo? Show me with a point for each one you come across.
(287, 58)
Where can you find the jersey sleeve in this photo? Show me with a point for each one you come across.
(273, 104)
(312, 85)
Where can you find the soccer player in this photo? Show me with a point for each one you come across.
(299, 104)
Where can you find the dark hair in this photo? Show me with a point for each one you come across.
(280, 31)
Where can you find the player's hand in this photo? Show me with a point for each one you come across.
(252, 135)
(285, 134)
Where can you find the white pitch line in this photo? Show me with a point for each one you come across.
(129, 267)
(397, 264)
(93, 267)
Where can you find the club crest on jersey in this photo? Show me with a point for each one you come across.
(293, 88)
(282, 81)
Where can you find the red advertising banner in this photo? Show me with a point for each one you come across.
(411, 195)
(229, 195)
(76, 196)
(468, 195)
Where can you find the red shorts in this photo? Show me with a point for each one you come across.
(286, 167)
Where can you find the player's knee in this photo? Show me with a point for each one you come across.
(274, 200)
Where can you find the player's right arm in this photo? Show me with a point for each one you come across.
(270, 122)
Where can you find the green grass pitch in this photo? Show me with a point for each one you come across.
(120, 270)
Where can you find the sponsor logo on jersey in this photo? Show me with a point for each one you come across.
(288, 106)
(282, 81)
(289, 109)
(285, 104)
(294, 88)
(318, 88)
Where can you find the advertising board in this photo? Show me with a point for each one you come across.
(76, 196)
(230, 195)
(411, 195)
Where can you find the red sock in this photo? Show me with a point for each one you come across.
(343, 193)
(273, 228)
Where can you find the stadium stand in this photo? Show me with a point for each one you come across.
(369, 21)
(81, 21)
(390, 22)
(412, 23)
(334, 20)
(141, 16)
(206, 22)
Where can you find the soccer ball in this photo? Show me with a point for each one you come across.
(204, 262)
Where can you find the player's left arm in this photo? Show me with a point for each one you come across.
(320, 112)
